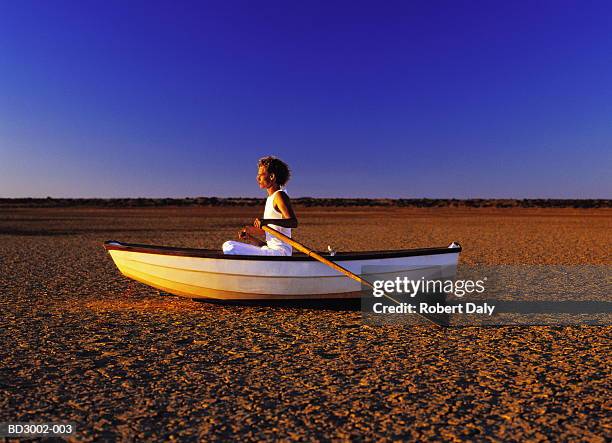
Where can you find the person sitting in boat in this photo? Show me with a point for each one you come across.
(272, 175)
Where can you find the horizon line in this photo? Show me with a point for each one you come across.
(305, 197)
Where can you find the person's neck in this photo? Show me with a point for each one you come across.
(272, 189)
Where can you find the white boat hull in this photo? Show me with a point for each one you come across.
(209, 275)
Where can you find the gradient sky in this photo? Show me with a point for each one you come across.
(407, 99)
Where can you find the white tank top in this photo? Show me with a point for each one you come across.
(271, 213)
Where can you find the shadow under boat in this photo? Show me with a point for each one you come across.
(340, 304)
(337, 305)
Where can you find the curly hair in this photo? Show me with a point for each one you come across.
(277, 167)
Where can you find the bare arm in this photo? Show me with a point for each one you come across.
(283, 204)
(252, 240)
(250, 234)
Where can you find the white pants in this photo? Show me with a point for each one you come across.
(239, 248)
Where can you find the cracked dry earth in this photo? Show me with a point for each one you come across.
(81, 343)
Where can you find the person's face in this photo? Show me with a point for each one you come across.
(264, 179)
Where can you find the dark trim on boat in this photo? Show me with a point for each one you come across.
(298, 256)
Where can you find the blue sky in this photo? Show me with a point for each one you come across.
(401, 99)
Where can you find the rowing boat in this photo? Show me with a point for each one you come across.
(209, 274)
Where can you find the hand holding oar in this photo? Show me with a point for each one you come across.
(309, 252)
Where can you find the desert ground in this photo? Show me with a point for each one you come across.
(79, 342)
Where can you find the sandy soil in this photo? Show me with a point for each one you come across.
(79, 342)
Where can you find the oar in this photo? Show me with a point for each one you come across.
(310, 253)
